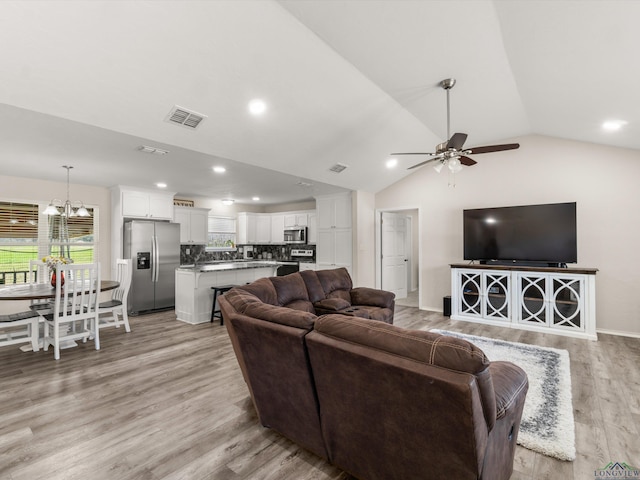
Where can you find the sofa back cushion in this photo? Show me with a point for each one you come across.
(425, 347)
(263, 289)
(336, 283)
(314, 287)
(292, 293)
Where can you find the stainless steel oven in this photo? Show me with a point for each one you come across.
(295, 235)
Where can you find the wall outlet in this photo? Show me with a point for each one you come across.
(187, 251)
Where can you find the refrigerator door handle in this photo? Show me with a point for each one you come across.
(154, 259)
(157, 250)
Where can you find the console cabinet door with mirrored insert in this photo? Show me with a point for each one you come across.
(554, 301)
(484, 294)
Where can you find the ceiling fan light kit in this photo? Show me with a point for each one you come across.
(452, 152)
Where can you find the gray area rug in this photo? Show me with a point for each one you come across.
(547, 420)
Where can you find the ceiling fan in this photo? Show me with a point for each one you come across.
(451, 153)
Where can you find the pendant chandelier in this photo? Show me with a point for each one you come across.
(67, 208)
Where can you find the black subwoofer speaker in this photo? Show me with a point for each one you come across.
(446, 306)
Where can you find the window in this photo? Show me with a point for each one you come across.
(26, 234)
(221, 233)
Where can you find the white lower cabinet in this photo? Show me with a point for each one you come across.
(194, 296)
(308, 266)
(534, 299)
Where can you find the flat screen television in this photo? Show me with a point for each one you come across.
(535, 234)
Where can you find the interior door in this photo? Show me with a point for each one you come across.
(394, 253)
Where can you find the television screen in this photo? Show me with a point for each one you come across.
(532, 233)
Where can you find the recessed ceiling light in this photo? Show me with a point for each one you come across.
(392, 163)
(257, 106)
(227, 201)
(255, 199)
(219, 169)
(161, 185)
(613, 125)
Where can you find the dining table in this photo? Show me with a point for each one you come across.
(43, 291)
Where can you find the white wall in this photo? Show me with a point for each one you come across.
(602, 180)
(30, 190)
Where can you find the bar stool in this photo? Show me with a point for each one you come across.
(219, 290)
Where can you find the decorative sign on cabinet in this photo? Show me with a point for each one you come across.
(551, 300)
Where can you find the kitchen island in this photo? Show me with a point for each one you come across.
(193, 284)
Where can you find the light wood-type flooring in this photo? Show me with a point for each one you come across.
(167, 401)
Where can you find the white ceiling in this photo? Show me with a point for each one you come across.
(86, 83)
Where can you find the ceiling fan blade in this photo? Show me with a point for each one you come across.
(457, 141)
(412, 153)
(467, 161)
(493, 148)
(424, 163)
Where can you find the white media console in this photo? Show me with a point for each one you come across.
(542, 299)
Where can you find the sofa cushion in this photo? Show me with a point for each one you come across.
(336, 283)
(374, 313)
(332, 304)
(372, 297)
(426, 347)
(281, 315)
(292, 292)
(263, 289)
(240, 298)
(314, 287)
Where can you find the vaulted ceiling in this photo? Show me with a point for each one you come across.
(345, 81)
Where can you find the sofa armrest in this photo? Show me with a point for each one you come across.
(372, 297)
(510, 385)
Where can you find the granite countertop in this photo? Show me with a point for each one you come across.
(232, 265)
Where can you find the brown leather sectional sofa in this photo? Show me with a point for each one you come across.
(379, 401)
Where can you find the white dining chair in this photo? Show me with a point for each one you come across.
(19, 328)
(118, 304)
(39, 273)
(75, 312)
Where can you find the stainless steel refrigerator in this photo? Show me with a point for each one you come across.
(154, 250)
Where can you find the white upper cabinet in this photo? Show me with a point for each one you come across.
(295, 220)
(139, 204)
(334, 211)
(277, 228)
(193, 224)
(263, 228)
(312, 228)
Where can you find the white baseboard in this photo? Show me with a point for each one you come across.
(618, 333)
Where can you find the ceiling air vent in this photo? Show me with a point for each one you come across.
(184, 117)
(338, 167)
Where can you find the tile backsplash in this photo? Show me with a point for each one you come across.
(198, 253)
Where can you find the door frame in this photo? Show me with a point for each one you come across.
(378, 248)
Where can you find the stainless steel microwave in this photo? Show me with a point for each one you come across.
(295, 235)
